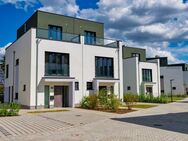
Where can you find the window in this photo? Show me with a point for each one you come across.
(147, 75)
(54, 32)
(162, 91)
(76, 85)
(173, 88)
(136, 55)
(129, 88)
(56, 64)
(24, 87)
(90, 37)
(7, 70)
(16, 96)
(17, 62)
(104, 67)
(89, 86)
(161, 76)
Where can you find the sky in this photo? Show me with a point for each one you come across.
(159, 26)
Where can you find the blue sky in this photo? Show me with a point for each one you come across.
(139, 23)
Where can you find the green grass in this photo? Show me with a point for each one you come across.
(143, 106)
(175, 98)
(46, 111)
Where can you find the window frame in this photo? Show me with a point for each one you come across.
(147, 75)
(103, 67)
(89, 84)
(7, 71)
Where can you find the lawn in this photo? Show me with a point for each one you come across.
(175, 98)
(143, 106)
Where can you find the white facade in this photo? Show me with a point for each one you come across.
(132, 76)
(30, 51)
(179, 80)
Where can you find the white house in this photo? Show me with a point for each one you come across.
(174, 77)
(46, 67)
(140, 76)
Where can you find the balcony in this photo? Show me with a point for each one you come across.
(101, 42)
(75, 38)
(57, 36)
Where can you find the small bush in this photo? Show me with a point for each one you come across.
(89, 102)
(9, 109)
(101, 100)
(130, 99)
(152, 99)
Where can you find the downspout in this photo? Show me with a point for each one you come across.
(13, 77)
(118, 68)
(36, 96)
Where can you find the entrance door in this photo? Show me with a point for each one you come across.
(61, 97)
(46, 99)
(149, 90)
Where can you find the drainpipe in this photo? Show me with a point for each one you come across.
(13, 77)
(118, 68)
(36, 96)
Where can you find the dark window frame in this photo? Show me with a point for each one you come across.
(56, 59)
(77, 86)
(89, 37)
(147, 75)
(17, 62)
(55, 31)
(89, 85)
(104, 67)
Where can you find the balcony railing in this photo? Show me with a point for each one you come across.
(101, 42)
(58, 36)
(75, 38)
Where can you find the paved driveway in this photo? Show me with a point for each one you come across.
(167, 122)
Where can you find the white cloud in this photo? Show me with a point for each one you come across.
(2, 50)
(66, 7)
(20, 4)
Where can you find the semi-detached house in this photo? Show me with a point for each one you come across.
(56, 60)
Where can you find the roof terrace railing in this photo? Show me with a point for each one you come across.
(75, 38)
(101, 42)
(57, 35)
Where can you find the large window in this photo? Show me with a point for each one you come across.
(56, 64)
(147, 75)
(104, 67)
(54, 32)
(89, 37)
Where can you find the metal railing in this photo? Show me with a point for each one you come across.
(58, 36)
(101, 42)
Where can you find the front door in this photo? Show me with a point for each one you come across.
(61, 97)
(149, 90)
(46, 99)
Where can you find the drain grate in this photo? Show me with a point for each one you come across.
(4, 131)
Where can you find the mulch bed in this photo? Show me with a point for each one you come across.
(119, 111)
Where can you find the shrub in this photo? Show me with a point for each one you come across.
(100, 101)
(9, 109)
(152, 99)
(130, 99)
(89, 102)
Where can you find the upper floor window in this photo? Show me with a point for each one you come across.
(136, 55)
(17, 62)
(104, 67)
(89, 37)
(7, 70)
(54, 32)
(56, 64)
(147, 75)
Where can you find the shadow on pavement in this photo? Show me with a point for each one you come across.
(177, 122)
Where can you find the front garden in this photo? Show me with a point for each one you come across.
(102, 101)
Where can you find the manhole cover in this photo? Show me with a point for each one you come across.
(78, 115)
